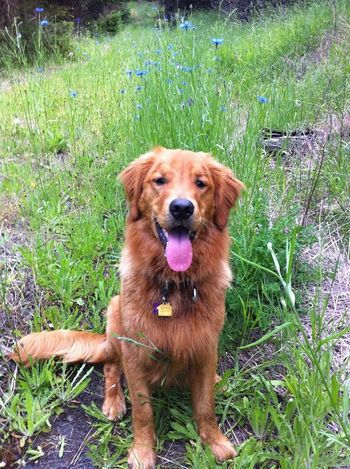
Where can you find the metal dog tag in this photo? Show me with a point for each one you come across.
(165, 309)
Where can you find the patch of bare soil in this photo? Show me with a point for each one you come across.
(317, 55)
(333, 297)
(336, 125)
(7, 84)
(71, 432)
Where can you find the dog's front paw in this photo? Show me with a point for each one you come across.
(142, 458)
(222, 449)
(114, 408)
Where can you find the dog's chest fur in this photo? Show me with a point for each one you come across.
(173, 344)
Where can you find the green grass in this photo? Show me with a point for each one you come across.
(66, 133)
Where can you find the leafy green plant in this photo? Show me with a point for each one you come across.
(66, 389)
(26, 414)
(258, 416)
(108, 448)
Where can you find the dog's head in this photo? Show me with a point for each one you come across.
(180, 192)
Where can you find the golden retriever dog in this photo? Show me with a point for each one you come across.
(163, 328)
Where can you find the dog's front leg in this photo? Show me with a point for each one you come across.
(202, 390)
(141, 454)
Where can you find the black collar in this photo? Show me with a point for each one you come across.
(185, 287)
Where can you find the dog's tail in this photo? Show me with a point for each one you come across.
(70, 346)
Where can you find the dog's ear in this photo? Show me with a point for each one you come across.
(132, 179)
(227, 190)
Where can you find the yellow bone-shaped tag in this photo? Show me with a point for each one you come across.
(165, 309)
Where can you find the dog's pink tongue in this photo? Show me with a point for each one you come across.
(178, 250)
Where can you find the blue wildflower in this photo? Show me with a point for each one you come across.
(73, 93)
(129, 73)
(150, 63)
(187, 103)
(138, 106)
(169, 81)
(141, 73)
(184, 83)
(78, 20)
(40, 69)
(158, 51)
(262, 99)
(138, 88)
(217, 41)
(186, 25)
(44, 23)
(170, 46)
(123, 91)
(223, 108)
(187, 69)
(39, 9)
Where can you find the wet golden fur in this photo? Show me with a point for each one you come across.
(188, 340)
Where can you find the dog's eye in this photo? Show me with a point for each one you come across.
(160, 181)
(200, 183)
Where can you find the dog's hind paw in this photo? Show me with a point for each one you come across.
(142, 458)
(114, 408)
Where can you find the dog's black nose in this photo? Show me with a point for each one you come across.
(181, 209)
